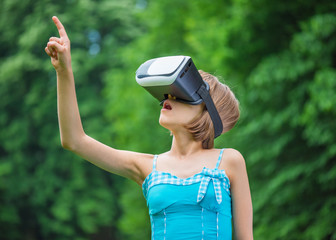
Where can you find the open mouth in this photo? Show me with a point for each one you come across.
(167, 106)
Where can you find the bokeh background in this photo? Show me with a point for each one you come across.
(279, 57)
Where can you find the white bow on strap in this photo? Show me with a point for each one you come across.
(215, 175)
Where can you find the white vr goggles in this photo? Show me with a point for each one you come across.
(177, 76)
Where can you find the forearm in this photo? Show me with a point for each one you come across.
(70, 125)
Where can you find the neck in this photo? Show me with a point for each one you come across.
(184, 145)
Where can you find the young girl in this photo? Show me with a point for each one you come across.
(193, 191)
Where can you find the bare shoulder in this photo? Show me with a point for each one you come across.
(233, 157)
(233, 163)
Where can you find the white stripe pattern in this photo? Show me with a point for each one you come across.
(217, 176)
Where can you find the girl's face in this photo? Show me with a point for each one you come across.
(175, 115)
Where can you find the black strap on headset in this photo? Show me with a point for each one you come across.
(216, 120)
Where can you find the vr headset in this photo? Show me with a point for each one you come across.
(178, 76)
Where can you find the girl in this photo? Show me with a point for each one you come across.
(193, 191)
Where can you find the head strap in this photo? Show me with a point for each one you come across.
(216, 120)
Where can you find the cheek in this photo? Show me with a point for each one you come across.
(187, 115)
(193, 112)
(190, 116)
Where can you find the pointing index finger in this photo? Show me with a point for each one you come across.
(61, 29)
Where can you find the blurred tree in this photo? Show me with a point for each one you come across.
(45, 192)
(294, 128)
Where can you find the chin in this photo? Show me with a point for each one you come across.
(166, 124)
(163, 123)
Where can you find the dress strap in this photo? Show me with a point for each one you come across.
(154, 162)
(219, 158)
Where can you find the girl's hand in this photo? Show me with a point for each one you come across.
(59, 48)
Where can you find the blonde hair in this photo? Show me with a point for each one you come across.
(227, 106)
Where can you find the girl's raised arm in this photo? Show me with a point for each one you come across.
(135, 166)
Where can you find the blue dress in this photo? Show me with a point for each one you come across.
(194, 208)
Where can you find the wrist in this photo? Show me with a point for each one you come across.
(64, 73)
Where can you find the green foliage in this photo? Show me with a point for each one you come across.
(46, 192)
(293, 97)
(135, 220)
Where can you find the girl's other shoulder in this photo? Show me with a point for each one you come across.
(233, 163)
